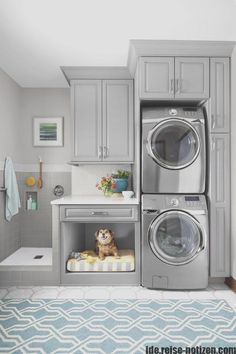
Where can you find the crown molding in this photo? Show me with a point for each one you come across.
(140, 47)
(143, 47)
(95, 72)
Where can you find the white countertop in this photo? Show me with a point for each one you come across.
(93, 199)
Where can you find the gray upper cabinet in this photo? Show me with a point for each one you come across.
(174, 78)
(191, 78)
(87, 122)
(220, 86)
(118, 120)
(156, 77)
(102, 120)
(219, 194)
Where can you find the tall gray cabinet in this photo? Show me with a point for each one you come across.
(219, 188)
(102, 121)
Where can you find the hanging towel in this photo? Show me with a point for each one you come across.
(12, 192)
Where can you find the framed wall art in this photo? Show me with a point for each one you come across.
(48, 131)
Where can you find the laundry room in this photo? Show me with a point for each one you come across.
(117, 193)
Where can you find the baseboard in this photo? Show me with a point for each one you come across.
(231, 282)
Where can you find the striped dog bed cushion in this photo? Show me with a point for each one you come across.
(110, 264)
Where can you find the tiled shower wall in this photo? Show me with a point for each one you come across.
(36, 226)
(31, 228)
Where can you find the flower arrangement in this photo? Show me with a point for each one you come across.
(106, 184)
(113, 183)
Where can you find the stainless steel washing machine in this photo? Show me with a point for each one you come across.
(175, 242)
(173, 150)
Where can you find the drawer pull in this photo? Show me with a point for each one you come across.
(97, 213)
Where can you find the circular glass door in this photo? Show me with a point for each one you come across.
(173, 144)
(175, 237)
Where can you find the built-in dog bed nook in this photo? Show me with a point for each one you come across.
(88, 261)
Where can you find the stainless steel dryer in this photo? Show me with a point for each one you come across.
(175, 241)
(173, 150)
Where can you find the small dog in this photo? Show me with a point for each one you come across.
(105, 244)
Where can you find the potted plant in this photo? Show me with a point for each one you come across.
(105, 185)
(120, 179)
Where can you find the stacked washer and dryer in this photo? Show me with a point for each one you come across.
(175, 236)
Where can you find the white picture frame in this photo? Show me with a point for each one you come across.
(48, 131)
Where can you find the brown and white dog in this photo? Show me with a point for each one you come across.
(105, 244)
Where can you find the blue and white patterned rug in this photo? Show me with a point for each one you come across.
(115, 326)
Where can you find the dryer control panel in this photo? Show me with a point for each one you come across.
(174, 112)
(185, 201)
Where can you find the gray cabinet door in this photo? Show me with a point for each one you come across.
(118, 120)
(219, 118)
(191, 78)
(219, 193)
(87, 122)
(156, 77)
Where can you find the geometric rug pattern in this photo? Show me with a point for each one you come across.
(113, 326)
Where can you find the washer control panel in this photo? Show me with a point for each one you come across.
(183, 201)
(159, 202)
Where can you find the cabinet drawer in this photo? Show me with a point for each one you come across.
(85, 213)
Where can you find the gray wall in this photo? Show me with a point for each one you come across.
(9, 145)
(17, 108)
(9, 117)
(44, 103)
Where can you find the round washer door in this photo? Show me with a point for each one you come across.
(176, 237)
(173, 144)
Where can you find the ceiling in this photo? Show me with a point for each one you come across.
(39, 36)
